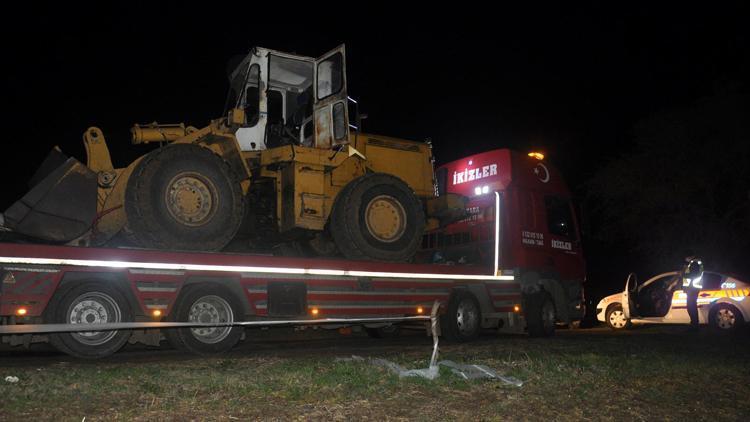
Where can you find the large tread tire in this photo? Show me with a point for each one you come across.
(462, 321)
(212, 301)
(540, 315)
(156, 220)
(100, 303)
(351, 232)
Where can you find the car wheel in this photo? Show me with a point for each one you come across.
(615, 317)
(725, 318)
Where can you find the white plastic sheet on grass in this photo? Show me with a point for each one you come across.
(467, 372)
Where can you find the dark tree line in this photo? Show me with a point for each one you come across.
(684, 187)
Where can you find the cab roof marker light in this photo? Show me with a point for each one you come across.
(249, 269)
(537, 155)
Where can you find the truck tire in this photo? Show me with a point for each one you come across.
(377, 217)
(183, 197)
(88, 304)
(463, 320)
(210, 303)
(540, 315)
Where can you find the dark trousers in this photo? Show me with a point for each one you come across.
(692, 305)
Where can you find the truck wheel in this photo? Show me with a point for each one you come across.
(183, 197)
(462, 321)
(207, 303)
(377, 217)
(540, 315)
(89, 304)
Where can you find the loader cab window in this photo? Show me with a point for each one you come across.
(275, 104)
(330, 76)
(559, 216)
(250, 101)
(294, 78)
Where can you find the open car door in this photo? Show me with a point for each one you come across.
(330, 112)
(628, 296)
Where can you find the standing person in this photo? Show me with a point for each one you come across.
(692, 283)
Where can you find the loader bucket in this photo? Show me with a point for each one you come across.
(61, 204)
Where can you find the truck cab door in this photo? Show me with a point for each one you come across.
(628, 296)
(330, 112)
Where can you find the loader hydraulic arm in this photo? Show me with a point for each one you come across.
(97, 152)
(154, 132)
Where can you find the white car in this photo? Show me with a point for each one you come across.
(722, 303)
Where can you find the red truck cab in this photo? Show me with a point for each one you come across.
(538, 237)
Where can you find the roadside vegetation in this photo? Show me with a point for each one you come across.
(645, 374)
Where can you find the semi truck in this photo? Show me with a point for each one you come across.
(513, 265)
(283, 165)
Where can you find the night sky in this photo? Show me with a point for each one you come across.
(569, 80)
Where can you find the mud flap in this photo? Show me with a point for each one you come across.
(61, 204)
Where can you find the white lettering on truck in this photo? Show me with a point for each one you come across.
(468, 175)
(559, 244)
(532, 238)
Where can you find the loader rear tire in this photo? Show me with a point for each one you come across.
(377, 217)
(183, 197)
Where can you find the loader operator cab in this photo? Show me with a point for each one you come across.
(290, 99)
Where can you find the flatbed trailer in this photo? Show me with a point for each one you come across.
(41, 284)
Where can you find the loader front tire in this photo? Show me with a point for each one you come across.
(183, 197)
(377, 217)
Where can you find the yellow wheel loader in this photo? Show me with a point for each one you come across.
(282, 166)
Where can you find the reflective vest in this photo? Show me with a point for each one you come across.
(694, 281)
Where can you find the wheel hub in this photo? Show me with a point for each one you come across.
(190, 199)
(725, 318)
(617, 319)
(466, 317)
(94, 308)
(548, 314)
(211, 310)
(385, 218)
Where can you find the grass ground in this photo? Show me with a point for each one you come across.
(644, 374)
